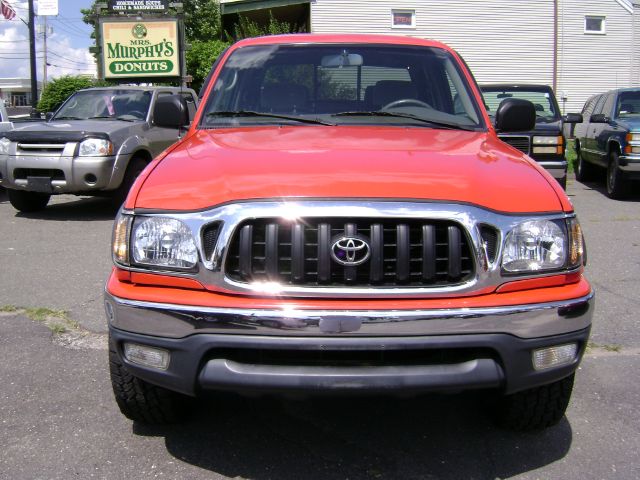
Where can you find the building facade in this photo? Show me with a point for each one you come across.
(16, 92)
(579, 47)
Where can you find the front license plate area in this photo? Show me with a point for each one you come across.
(39, 184)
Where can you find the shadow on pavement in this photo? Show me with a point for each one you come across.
(361, 437)
(78, 210)
(600, 187)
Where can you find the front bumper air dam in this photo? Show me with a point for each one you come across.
(198, 361)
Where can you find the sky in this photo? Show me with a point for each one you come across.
(67, 47)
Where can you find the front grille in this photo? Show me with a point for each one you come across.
(41, 147)
(521, 143)
(403, 252)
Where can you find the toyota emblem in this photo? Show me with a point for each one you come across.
(350, 251)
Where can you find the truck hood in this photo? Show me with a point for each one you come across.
(67, 131)
(212, 167)
(630, 123)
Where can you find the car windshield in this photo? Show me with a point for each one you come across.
(341, 84)
(628, 104)
(106, 104)
(543, 101)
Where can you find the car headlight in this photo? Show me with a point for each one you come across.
(533, 246)
(544, 144)
(160, 242)
(95, 147)
(4, 145)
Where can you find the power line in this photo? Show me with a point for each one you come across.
(68, 59)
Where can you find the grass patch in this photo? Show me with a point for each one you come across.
(41, 314)
(57, 321)
(8, 308)
(570, 155)
(611, 347)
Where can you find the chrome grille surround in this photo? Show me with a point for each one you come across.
(487, 274)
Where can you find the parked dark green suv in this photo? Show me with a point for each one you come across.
(609, 138)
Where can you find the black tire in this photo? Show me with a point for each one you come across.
(135, 167)
(28, 201)
(584, 170)
(536, 408)
(141, 401)
(617, 184)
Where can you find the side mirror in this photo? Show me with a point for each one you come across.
(599, 118)
(572, 118)
(171, 112)
(515, 115)
(48, 116)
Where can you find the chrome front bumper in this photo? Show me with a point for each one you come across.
(630, 163)
(179, 321)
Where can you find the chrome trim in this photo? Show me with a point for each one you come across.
(487, 277)
(176, 321)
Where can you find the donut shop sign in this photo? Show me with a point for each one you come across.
(135, 49)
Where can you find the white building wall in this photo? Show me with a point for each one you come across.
(635, 67)
(592, 63)
(495, 39)
(511, 40)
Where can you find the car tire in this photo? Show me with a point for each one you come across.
(617, 184)
(28, 201)
(536, 408)
(135, 167)
(141, 401)
(584, 170)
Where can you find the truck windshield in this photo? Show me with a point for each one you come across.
(106, 104)
(628, 104)
(341, 84)
(543, 101)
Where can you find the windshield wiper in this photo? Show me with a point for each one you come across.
(100, 116)
(251, 113)
(382, 113)
(68, 117)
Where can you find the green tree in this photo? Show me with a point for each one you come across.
(58, 90)
(200, 57)
(246, 28)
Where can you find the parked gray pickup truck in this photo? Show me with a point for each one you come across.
(97, 143)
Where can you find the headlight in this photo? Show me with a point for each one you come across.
(95, 147)
(547, 144)
(547, 140)
(533, 246)
(163, 242)
(4, 145)
(631, 137)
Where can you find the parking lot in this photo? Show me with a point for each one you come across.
(58, 419)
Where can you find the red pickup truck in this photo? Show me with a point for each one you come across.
(342, 218)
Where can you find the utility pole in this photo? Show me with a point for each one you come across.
(32, 56)
(44, 61)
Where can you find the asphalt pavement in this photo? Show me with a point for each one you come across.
(58, 419)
